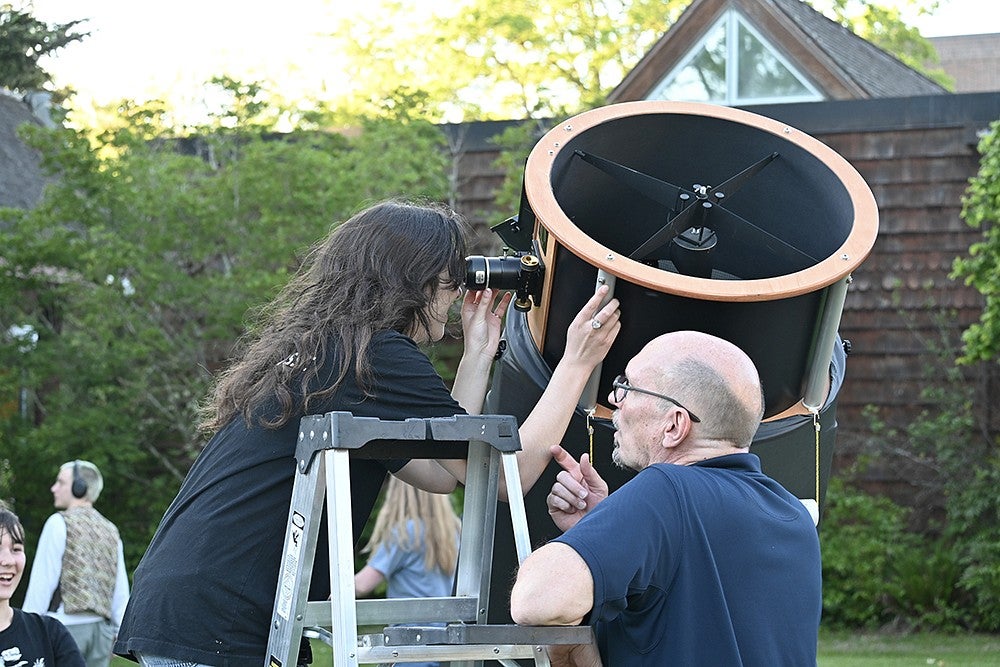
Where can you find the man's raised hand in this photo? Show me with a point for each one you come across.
(577, 490)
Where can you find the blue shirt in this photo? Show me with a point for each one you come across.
(405, 573)
(709, 564)
(407, 576)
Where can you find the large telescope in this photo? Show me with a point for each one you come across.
(700, 217)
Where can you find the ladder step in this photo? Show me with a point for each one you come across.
(458, 633)
(398, 610)
(443, 653)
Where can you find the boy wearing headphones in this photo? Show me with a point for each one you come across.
(78, 575)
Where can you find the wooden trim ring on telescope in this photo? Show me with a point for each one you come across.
(561, 231)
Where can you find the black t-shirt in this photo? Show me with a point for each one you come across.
(204, 591)
(33, 639)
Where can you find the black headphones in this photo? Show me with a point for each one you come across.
(79, 488)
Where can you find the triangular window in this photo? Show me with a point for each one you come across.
(734, 65)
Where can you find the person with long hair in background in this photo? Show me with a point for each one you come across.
(414, 546)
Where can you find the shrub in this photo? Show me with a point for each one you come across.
(926, 577)
(861, 536)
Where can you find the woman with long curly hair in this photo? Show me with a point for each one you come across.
(342, 335)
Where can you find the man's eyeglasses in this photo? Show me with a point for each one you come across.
(622, 388)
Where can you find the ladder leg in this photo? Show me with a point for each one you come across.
(342, 597)
(515, 499)
(295, 574)
(519, 521)
(472, 578)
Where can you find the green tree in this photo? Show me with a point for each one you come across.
(980, 268)
(504, 60)
(974, 499)
(521, 59)
(136, 272)
(861, 536)
(948, 455)
(515, 144)
(528, 60)
(23, 40)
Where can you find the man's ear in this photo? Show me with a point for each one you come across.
(676, 427)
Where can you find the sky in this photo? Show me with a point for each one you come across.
(961, 17)
(142, 50)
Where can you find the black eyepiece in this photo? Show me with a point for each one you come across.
(519, 273)
(498, 273)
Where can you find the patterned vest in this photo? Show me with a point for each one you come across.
(90, 564)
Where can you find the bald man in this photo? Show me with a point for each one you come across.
(700, 559)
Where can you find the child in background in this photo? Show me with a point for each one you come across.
(25, 638)
(414, 545)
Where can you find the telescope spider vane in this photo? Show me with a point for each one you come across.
(696, 216)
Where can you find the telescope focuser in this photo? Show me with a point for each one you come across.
(521, 273)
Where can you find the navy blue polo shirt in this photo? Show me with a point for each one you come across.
(709, 564)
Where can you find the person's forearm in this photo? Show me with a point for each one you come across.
(547, 423)
(545, 426)
(471, 381)
(524, 613)
(366, 580)
(469, 390)
(433, 476)
(588, 339)
(576, 655)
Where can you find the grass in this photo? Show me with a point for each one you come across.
(886, 650)
(842, 649)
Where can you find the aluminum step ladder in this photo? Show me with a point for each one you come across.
(325, 445)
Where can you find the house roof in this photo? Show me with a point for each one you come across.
(838, 63)
(971, 60)
(21, 176)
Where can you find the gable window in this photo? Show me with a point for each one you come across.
(734, 65)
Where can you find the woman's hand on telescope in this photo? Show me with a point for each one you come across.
(482, 321)
(588, 339)
(593, 330)
(482, 324)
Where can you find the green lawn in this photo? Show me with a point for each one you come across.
(881, 650)
(857, 650)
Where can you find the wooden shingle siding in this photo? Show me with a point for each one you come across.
(903, 301)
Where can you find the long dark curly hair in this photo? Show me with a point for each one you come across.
(375, 272)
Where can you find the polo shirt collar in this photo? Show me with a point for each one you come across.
(745, 462)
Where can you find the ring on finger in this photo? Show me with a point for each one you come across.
(595, 323)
